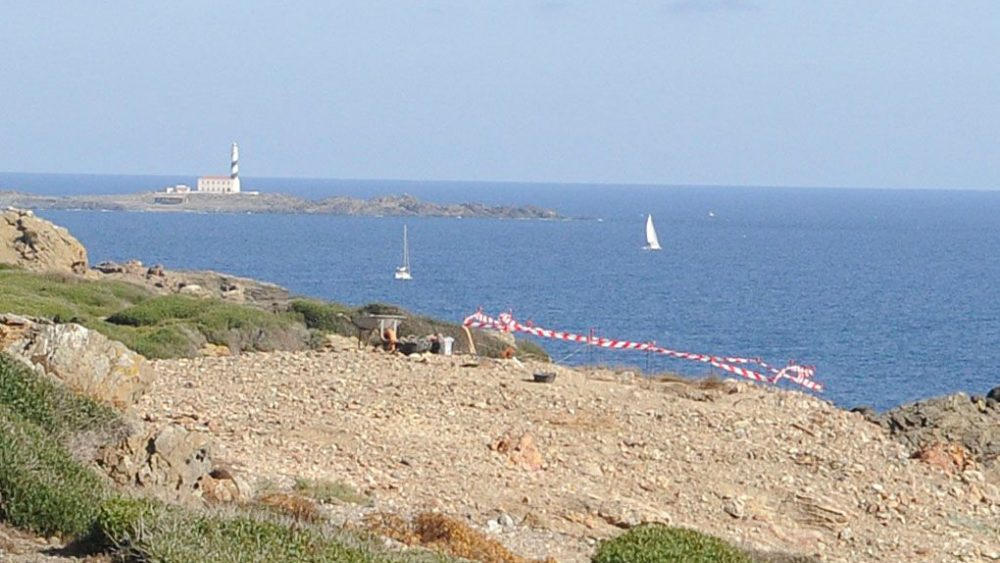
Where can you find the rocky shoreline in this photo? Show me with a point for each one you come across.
(389, 206)
(547, 469)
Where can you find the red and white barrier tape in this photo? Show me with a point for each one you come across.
(795, 373)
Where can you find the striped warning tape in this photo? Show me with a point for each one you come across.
(795, 373)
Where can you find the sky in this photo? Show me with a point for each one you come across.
(852, 93)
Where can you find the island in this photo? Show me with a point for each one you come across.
(403, 205)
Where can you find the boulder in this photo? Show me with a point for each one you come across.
(84, 360)
(954, 419)
(994, 394)
(950, 458)
(35, 244)
(167, 462)
(520, 450)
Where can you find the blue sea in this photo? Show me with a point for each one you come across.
(891, 294)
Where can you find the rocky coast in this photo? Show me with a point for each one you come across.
(547, 469)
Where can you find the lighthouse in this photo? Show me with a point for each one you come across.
(224, 184)
(234, 171)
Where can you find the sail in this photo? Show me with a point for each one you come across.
(406, 250)
(403, 272)
(652, 242)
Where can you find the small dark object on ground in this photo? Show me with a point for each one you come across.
(417, 346)
(544, 377)
(994, 394)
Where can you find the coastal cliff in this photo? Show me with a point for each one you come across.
(394, 205)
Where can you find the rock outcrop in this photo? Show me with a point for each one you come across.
(170, 463)
(972, 422)
(84, 360)
(35, 244)
(205, 284)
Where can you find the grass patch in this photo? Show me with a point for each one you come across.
(141, 530)
(330, 492)
(64, 297)
(657, 543)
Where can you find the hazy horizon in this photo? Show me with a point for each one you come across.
(896, 94)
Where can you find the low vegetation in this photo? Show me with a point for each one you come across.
(657, 543)
(42, 487)
(171, 326)
(45, 490)
(443, 534)
(329, 492)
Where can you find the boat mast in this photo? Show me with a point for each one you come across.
(406, 251)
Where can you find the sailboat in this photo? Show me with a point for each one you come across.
(652, 243)
(403, 272)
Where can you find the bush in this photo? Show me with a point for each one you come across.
(119, 521)
(45, 403)
(657, 544)
(162, 342)
(182, 324)
(159, 310)
(327, 317)
(43, 489)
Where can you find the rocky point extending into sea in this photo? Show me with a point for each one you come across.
(548, 469)
(252, 202)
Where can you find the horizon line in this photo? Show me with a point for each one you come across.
(536, 182)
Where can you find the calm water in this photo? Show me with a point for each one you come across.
(889, 293)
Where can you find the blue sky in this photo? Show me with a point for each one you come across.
(682, 92)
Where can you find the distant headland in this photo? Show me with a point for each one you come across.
(403, 205)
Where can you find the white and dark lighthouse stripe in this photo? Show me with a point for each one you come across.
(234, 171)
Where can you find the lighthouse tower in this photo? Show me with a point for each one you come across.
(234, 171)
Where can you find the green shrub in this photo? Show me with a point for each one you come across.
(120, 520)
(183, 324)
(327, 317)
(659, 544)
(47, 404)
(43, 489)
(170, 341)
(159, 310)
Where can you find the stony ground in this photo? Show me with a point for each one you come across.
(549, 469)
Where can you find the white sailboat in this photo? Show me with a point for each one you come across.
(652, 242)
(403, 272)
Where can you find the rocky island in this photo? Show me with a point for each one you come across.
(253, 202)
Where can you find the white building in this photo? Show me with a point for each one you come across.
(223, 184)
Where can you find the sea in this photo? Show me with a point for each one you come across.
(891, 294)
